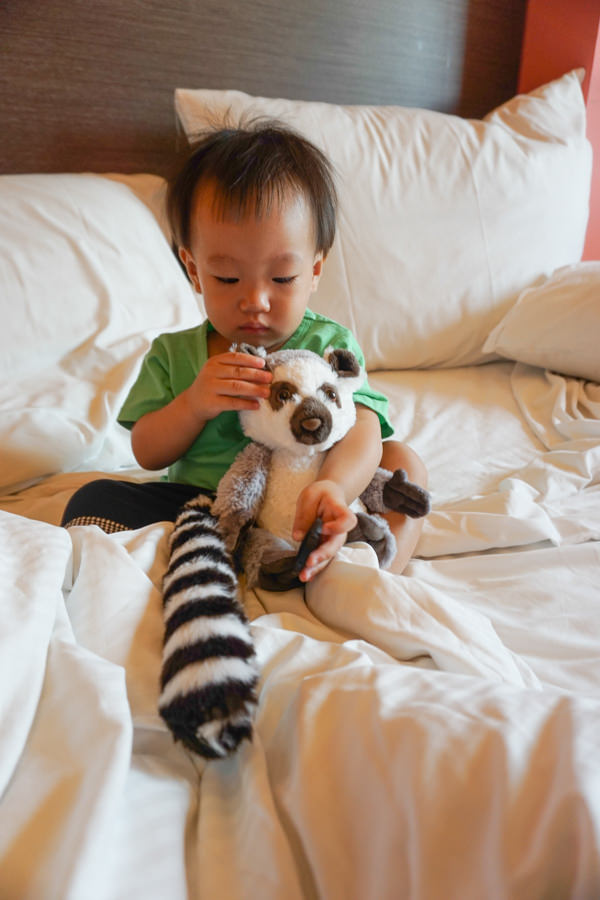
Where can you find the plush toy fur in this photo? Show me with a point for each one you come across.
(209, 669)
(310, 408)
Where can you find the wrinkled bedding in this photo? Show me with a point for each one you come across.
(430, 735)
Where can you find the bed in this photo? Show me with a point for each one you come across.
(431, 735)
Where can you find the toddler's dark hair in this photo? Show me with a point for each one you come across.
(254, 166)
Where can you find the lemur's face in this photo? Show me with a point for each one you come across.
(310, 406)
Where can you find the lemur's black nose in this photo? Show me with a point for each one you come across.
(311, 424)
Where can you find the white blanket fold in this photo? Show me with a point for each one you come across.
(409, 618)
(434, 734)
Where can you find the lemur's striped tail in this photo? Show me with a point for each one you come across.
(209, 670)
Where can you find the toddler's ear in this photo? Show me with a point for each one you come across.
(317, 269)
(190, 267)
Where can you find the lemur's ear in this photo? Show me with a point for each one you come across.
(343, 362)
(252, 351)
(248, 348)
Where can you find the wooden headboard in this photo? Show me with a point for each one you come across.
(88, 86)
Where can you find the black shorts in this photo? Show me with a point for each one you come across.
(123, 505)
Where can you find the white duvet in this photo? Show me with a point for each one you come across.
(434, 735)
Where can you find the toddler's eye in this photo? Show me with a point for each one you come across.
(226, 280)
(285, 280)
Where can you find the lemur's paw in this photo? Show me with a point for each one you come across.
(369, 528)
(279, 574)
(401, 495)
(373, 530)
(282, 574)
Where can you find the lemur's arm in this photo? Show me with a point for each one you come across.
(389, 491)
(241, 492)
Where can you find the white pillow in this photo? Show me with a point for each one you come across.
(87, 278)
(443, 221)
(556, 324)
(152, 191)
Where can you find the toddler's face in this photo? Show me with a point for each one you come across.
(255, 274)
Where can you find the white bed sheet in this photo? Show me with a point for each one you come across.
(435, 734)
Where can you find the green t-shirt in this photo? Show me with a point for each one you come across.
(174, 360)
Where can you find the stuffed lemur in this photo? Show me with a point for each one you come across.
(209, 668)
(310, 408)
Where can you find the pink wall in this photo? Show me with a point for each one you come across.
(561, 35)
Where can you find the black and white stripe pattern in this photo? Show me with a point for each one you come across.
(209, 669)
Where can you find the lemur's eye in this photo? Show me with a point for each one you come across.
(282, 392)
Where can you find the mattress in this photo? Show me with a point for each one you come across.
(411, 729)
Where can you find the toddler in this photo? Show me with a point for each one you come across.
(253, 214)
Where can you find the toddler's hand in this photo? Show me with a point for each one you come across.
(229, 381)
(323, 499)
